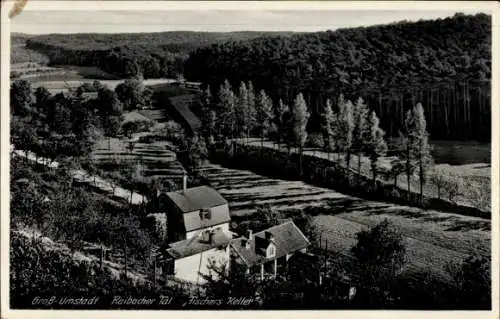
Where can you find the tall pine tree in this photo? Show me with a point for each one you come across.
(346, 128)
(208, 121)
(242, 110)
(281, 115)
(420, 148)
(264, 108)
(226, 111)
(300, 116)
(361, 130)
(327, 123)
(376, 146)
(252, 112)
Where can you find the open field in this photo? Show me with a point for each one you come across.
(473, 177)
(37, 72)
(156, 160)
(433, 238)
(21, 54)
(55, 86)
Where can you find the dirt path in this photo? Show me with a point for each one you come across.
(83, 176)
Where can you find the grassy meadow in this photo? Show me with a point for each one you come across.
(433, 238)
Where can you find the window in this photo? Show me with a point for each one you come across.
(205, 214)
(271, 251)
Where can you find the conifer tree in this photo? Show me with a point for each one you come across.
(346, 128)
(300, 116)
(264, 112)
(252, 112)
(210, 126)
(415, 146)
(361, 130)
(242, 110)
(226, 110)
(376, 146)
(406, 153)
(208, 121)
(420, 145)
(328, 121)
(282, 110)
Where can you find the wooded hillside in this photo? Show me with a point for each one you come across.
(152, 54)
(445, 64)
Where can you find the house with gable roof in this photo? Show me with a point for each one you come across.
(268, 252)
(197, 230)
(193, 210)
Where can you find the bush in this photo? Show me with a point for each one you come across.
(472, 278)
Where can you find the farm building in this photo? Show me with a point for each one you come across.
(194, 209)
(180, 110)
(268, 251)
(198, 221)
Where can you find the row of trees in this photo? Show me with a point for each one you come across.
(391, 66)
(346, 127)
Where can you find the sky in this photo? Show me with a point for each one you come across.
(42, 22)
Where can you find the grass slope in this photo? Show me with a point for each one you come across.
(433, 238)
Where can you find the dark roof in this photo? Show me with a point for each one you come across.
(196, 198)
(181, 103)
(196, 245)
(287, 238)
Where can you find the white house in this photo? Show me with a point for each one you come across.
(188, 258)
(198, 231)
(194, 209)
(268, 251)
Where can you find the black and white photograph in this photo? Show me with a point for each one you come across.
(262, 158)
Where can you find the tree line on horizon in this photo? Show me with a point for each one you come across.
(445, 64)
(152, 55)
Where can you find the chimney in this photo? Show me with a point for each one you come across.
(249, 234)
(269, 236)
(184, 182)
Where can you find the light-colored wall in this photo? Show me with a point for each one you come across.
(187, 268)
(224, 227)
(215, 210)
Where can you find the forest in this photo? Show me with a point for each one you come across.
(153, 55)
(392, 67)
